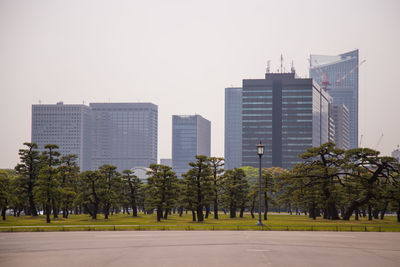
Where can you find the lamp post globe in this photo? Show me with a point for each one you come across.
(260, 152)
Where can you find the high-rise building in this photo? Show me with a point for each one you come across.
(191, 136)
(124, 134)
(340, 74)
(233, 127)
(166, 162)
(340, 115)
(396, 154)
(67, 126)
(287, 114)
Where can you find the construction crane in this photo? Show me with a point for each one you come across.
(339, 80)
(324, 77)
(361, 137)
(379, 141)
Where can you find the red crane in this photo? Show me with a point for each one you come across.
(324, 77)
(339, 80)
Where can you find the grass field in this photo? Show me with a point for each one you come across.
(174, 222)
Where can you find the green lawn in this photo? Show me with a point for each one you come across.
(174, 222)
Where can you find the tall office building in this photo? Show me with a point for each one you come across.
(287, 114)
(191, 136)
(233, 128)
(124, 134)
(396, 154)
(67, 126)
(340, 73)
(166, 162)
(340, 114)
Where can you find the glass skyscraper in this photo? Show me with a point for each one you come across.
(67, 126)
(341, 72)
(191, 136)
(124, 134)
(233, 128)
(287, 114)
(340, 115)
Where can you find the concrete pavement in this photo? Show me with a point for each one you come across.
(200, 248)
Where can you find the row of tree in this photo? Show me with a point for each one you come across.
(331, 182)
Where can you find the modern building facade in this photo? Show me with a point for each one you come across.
(68, 126)
(233, 127)
(340, 73)
(396, 154)
(166, 162)
(124, 134)
(191, 136)
(287, 114)
(340, 114)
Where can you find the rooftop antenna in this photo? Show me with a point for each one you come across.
(268, 66)
(40, 101)
(281, 63)
(292, 69)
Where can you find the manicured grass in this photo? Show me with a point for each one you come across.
(174, 222)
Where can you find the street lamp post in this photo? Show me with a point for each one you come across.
(260, 152)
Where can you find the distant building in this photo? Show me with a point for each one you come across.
(141, 173)
(287, 114)
(124, 134)
(67, 126)
(191, 136)
(233, 127)
(340, 115)
(166, 162)
(341, 74)
(396, 154)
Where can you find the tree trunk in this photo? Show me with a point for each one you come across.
(252, 209)
(134, 208)
(32, 208)
(369, 212)
(3, 213)
(312, 212)
(193, 215)
(55, 209)
(325, 212)
(215, 208)
(266, 206)
(207, 210)
(180, 211)
(355, 204)
(232, 210)
(241, 212)
(48, 212)
(384, 210)
(398, 211)
(166, 214)
(356, 214)
(332, 211)
(159, 214)
(95, 210)
(199, 211)
(375, 214)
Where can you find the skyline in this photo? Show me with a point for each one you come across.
(171, 52)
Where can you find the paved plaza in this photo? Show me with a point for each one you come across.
(200, 248)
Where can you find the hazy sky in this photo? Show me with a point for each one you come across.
(181, 54)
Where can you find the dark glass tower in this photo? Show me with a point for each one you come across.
(287, 114)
